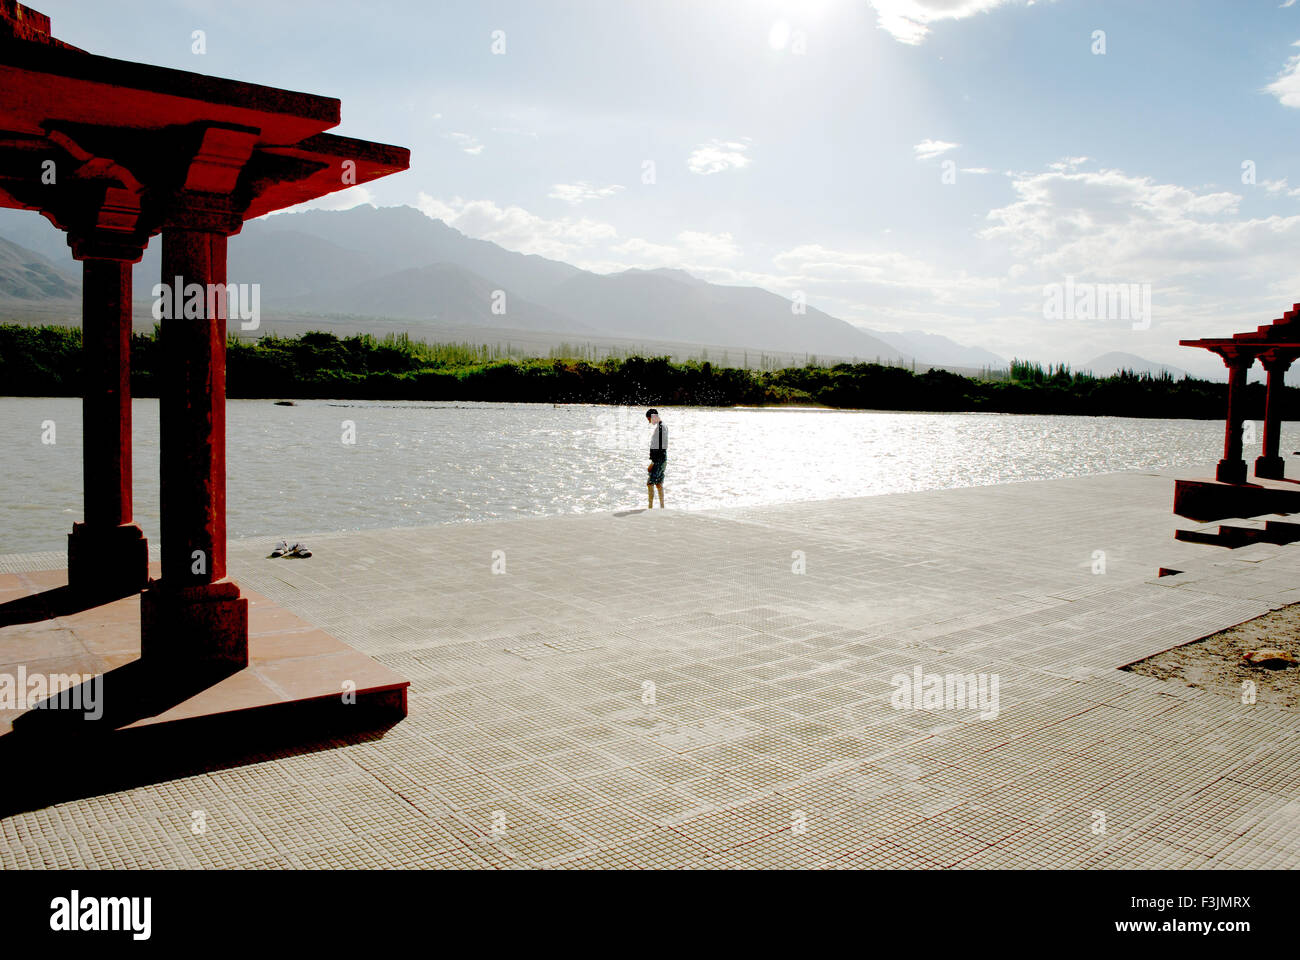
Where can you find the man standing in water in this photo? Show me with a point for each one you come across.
(658, 458)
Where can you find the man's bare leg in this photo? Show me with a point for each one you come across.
(650, 492)
(660, 488)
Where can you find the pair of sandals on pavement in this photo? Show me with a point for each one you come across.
(283, 549)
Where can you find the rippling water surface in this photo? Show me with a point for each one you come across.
(290, 474)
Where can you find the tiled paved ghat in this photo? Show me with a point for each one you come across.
(713, 689)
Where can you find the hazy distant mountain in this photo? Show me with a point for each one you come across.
(400, 238)
(287, 264)
(295, 253)
(396, 262)
(933, 348)
(441, 293)
(26, 275)
(672, 305)
(1113, 362)
(30, 230)
(659, 304)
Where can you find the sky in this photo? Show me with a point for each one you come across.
(938, 165)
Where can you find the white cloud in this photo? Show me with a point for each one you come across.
(1067, 163)
(342, 200)
(1287, 85)
(643, 253)
(711, 246)
(586, 243)
(576, 193)
(346, 199)
(908, 21)
(929, 149)
(718, 155)
(1106, 221)
(467, 143)
(694, 251)
(516, 229)
(816, 264)
(1212, 271)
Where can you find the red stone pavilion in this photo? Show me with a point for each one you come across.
(117, 153)
(1275, 345)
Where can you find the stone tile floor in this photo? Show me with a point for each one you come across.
(663, 689)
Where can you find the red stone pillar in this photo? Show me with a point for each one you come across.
(1232, 468)
(194, 615)
(108, 555)
(1270, 463)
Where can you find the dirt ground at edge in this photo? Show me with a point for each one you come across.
(1215, 664)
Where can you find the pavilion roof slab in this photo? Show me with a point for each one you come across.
(134, 129)
(1242, 347)
(40, 84)
(319, 162)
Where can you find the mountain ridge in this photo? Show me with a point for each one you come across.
(399, 263)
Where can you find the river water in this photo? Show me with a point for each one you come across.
(291, 471)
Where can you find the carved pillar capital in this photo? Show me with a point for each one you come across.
(210, 198)
(202, 212)
(1277, 361)
(1236, 360)
(100, 245)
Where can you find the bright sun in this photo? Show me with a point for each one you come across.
(779, 36)
(794, 18)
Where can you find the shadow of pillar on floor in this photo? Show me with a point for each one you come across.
(55, 602)
(54, 754)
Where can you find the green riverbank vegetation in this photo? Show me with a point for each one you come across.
(46, 361)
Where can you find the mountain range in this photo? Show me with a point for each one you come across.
(398, 263)
(1113, 362)
(26, 275)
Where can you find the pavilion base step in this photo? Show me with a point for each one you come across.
(1242, 534)
(1205, 501)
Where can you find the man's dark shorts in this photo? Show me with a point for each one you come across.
(656, 473)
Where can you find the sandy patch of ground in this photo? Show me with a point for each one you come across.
(1215, 664)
